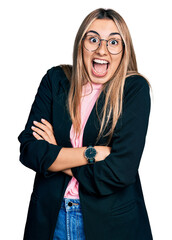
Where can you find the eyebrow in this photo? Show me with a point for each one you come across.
(114, 33)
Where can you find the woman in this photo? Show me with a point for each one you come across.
(84, 138)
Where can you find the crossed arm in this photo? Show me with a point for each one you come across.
(67, 157)
(116, 168)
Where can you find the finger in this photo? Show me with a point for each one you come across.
(37, 136)
(44, 127)
(47, 123)
(40, 125)
(40, 132)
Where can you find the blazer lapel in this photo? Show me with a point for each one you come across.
(92, 126)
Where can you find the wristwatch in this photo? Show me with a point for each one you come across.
(90, 153)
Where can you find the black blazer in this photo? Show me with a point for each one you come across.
(110, 190)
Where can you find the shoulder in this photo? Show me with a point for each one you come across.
(56, 73)
(136, 91)
(55, 77)
(135, 84)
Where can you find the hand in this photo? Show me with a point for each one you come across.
(44, 131)
(102, 152)
(68, 172)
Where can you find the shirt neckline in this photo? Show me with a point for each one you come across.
(87, 87)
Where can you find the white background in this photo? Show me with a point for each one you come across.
(39, 34)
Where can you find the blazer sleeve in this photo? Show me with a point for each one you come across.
(119, 168)
(38, 155)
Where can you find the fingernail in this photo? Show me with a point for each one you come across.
(35, 122)
(34, 133)
(42, 119)
(32, 127)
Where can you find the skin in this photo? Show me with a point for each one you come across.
(67, 157)
(105, 28)
(44, 131)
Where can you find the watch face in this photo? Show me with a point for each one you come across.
(90, 152)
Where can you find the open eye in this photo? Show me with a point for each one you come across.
(113, 42)
(93, 40)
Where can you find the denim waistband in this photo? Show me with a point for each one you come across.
(71, 204)
(70, 221)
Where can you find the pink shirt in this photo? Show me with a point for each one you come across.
(87, 103)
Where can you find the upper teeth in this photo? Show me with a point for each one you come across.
(100, 61)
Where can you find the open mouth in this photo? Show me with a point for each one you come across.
(100, 67)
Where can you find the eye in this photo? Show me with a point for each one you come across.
(93, 40)
(113, 42)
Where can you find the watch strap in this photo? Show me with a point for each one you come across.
(91, 160)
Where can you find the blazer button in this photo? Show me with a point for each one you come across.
(69, 204)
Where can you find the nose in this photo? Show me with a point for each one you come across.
(102, 49)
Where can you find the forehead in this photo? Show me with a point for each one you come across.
(104, 27)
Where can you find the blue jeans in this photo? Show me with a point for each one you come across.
(69, 224)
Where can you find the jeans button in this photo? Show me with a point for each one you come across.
(69, 204)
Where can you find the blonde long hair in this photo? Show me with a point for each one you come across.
(113, 88)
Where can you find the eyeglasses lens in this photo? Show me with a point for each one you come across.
(92, 43)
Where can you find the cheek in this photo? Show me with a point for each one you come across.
(116, 61)
(86, 58)
(114, 65)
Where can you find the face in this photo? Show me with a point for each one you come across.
(101, 64)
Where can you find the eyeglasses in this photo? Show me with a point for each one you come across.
(92, 43)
